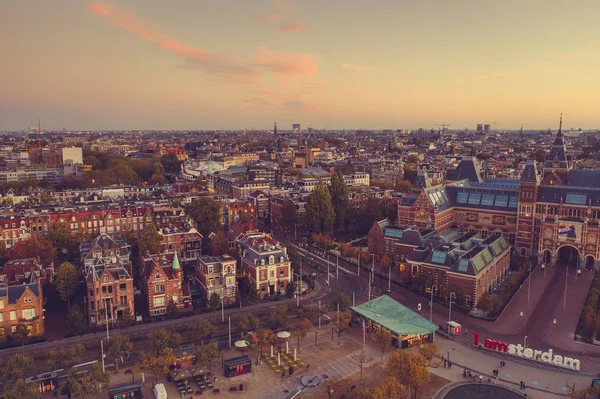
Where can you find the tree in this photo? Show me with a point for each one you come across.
(409, 369)
(383, 338)
(312, 312)
(342, 324)
(63, 240)
(76, 321)
(66, 281)
(290, 289)
(413, 159)
(289, 214)
(219, 244)
(340, 198)
(20, 390)
(277, 318)
(160, 339)
(203, 330)
(171, 163)
(88, 382)
(302, 331)
(461, 299)
(157, 365)
(320, 214)
(65, 358)
(17, 366)
(205, 354)
(485, 302)
(21, 335)
(244, 322)
(116, 346)
(33, 248)
(205, 212)
(362, 360)
(150, 241)
(342, 300)
(172, 310)
(126, 318)
(385, 263)
(404, 186)
(253, 295)
(540, 155)
(214, 303)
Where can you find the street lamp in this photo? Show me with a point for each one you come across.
(452, 300)
(222, 306)
(372, 267)
(529, 284)
(431, 303)
(390, 278)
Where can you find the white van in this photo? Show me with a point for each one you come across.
(160, 392)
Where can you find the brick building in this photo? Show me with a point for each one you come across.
(162, 282)
(217, 274)
(187, 242)
(21, 304)
(26, 271)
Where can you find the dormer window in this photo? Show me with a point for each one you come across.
(271, 260)
(106, 279)
(27, 299)
(262, 262)
(157, 276)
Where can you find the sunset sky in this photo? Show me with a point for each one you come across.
(217, 64)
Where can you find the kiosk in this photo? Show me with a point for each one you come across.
(453, 328)
(237, 366)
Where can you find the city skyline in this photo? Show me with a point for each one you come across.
(87, 65)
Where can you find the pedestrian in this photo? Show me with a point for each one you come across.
(449, 364)
(480, 378)
(524, 385)
(464, 373)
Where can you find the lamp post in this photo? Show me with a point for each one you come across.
(431, 303)
(222, 307)
(337, 266)
(390, 279)
(372, 267)
(565, 294)
(327, 269)
(450, 308)
(358, 264)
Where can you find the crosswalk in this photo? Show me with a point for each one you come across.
(333, 371)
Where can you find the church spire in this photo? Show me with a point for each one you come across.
(559, 134)
(275, 128)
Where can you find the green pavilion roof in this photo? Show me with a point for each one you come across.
(394, 316)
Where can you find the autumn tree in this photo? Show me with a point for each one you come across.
(404, 186)
(203, 330)
(383, 338)
(319, 215)
(33, 248)
(150, 241)
(430, 351)
(157, 364)
(126, 318)
(76, 321)
(390, 388)
(214, 303)
(65, 358)
(21, 390)
(342, 324)
(205, 354)
(21, 335)
(277, 318)
(410, 369)
(116, 346)
(87, 383)
(160, 339)
(302, 331)
(16, 366)
(66, 281)
(172, 310)
(540, 155)
(340, 198)
(485, 302)
(219, 244)
(362, 361)
(244, 322)
(63, 239)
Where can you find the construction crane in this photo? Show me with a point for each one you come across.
(495, 123)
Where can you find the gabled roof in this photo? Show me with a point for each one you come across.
(395, 317)
(422, 179)
(530, 173)
(468, 168)
(583, 178)
(14, 292)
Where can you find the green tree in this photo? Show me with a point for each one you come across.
(244, 322)
(157, 365)
(87, 383)
(17, 366)
(160, 339)
(150, 240)
(320, 214)
(205, 212)
(404, 186)
(540, 155)
(63, 240)
(116, 346)
(342, 300)
(202, 331)
(126, 318)
(172, 310)
(430, 351)
(76, 321)
(383, 338)
(277, 318)
(66, 281)
(65, 358)
(20, 390)
(290, 289)
(485, 302)
(340, 198)
(410, 369)
(205, 354)
(214, 303)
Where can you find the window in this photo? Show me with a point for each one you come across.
(1, 304)
(210, 269)
(106, 279)
(1, 318)
(281, 272)
(123, 287)
(461, 198)
(158, 288)
(123, 300)
(13, 315)
(487, 199)
(27, 299)
(272, 274)
(474, 198)
(159, 301)
(175, 298)
(28, 314)
(271, 260)
(157, 276)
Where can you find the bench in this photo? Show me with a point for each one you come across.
(232, 389)
(241, 387)
(216, 391)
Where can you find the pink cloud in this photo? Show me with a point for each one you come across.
(354, 67)
(287, 64)
(283, 5)
(292, 27)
